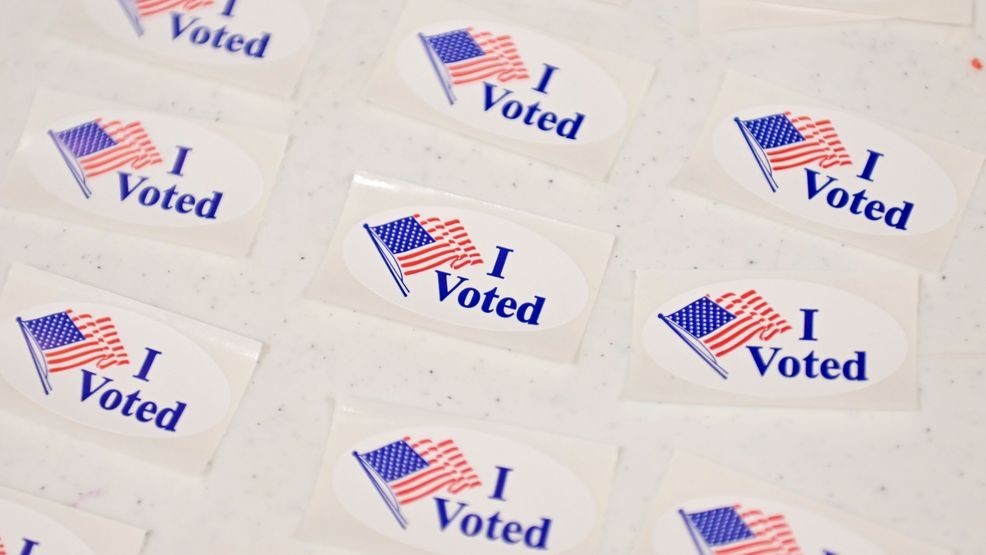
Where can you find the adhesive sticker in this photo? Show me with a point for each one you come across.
(31, 526)
(704, 508)
(125, 375)
(821, 340)
(253, 44)
(468, 269)
(398, 480)
(788, 158)
(142, 173)
(510, 85)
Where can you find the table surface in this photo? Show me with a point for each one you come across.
(922, 473)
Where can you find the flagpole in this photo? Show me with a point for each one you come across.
(446, 86)
(42, 373)
(394, 273)
(764, 169)
(691, 532)
(700, 350)
(79, 178)
(134, 17)
(390, 503)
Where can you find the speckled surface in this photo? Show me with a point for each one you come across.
(922, 473)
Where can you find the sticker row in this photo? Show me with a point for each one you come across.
(397, 480)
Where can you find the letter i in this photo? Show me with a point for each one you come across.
(501, 482)
(549, 70)
(870, 165)
(29, 546)
(501, 261)
(228, 10)
(809, 333)
(148, 362)
(180, 160)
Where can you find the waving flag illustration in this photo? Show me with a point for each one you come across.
(783, 141)
(466, 56)
(714, 328)
(97, 147)
(138, 9)
(67, 341)
(408, 470)
(738, 530)
(416, 244)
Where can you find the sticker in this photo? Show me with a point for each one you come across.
(509, 85)
(249, 43)
(704, 508)
(726, 15)
(465, 268)
(121, 373)
(789, 158)
(138, 172)
(395, 478)
(32, 526)
(821, 340)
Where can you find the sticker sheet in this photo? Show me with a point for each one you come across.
(818, 340)
(141, 173)
(398, 480)
(474, 73)
(254, 44)
(462, 267)
(32, 526)
(118, 373)
(789, 158)
(704, 508)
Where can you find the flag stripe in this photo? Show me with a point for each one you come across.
(452, 246)
(133, 146)
(147, 8)
(101, 346)
(447, 470)
(754, 318)
(821, 144)
(501, 60)
(771, 536)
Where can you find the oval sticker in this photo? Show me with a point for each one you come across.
(113, 369)
(743, 524)
(835, 169)
(24, 531)
(775, 338)
(466, 268)
(454, 491)
(512, 82)
(228, 32)
(144, 168)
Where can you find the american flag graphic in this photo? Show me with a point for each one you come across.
(469, 56)
(796, 141)
(103, 146)
(68, 340)
(147, 8)
(738, 530)
(421, 243)
(414, 469)
(730, 321)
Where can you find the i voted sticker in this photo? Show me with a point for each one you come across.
(776, 340)
(462, 267)
(703, 508)
(33, 526)
(113, 369)
(456, 487)
(119, 373)
(24, 531)
(510, 85)
(251, 43)
(785, 156)
(158, 175)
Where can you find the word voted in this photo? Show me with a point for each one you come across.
(472, 524)
(533, 114)
(858, 203)
(199, 34)
(490, 301)
(809, 366)
(148, 195)
(131, 405)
